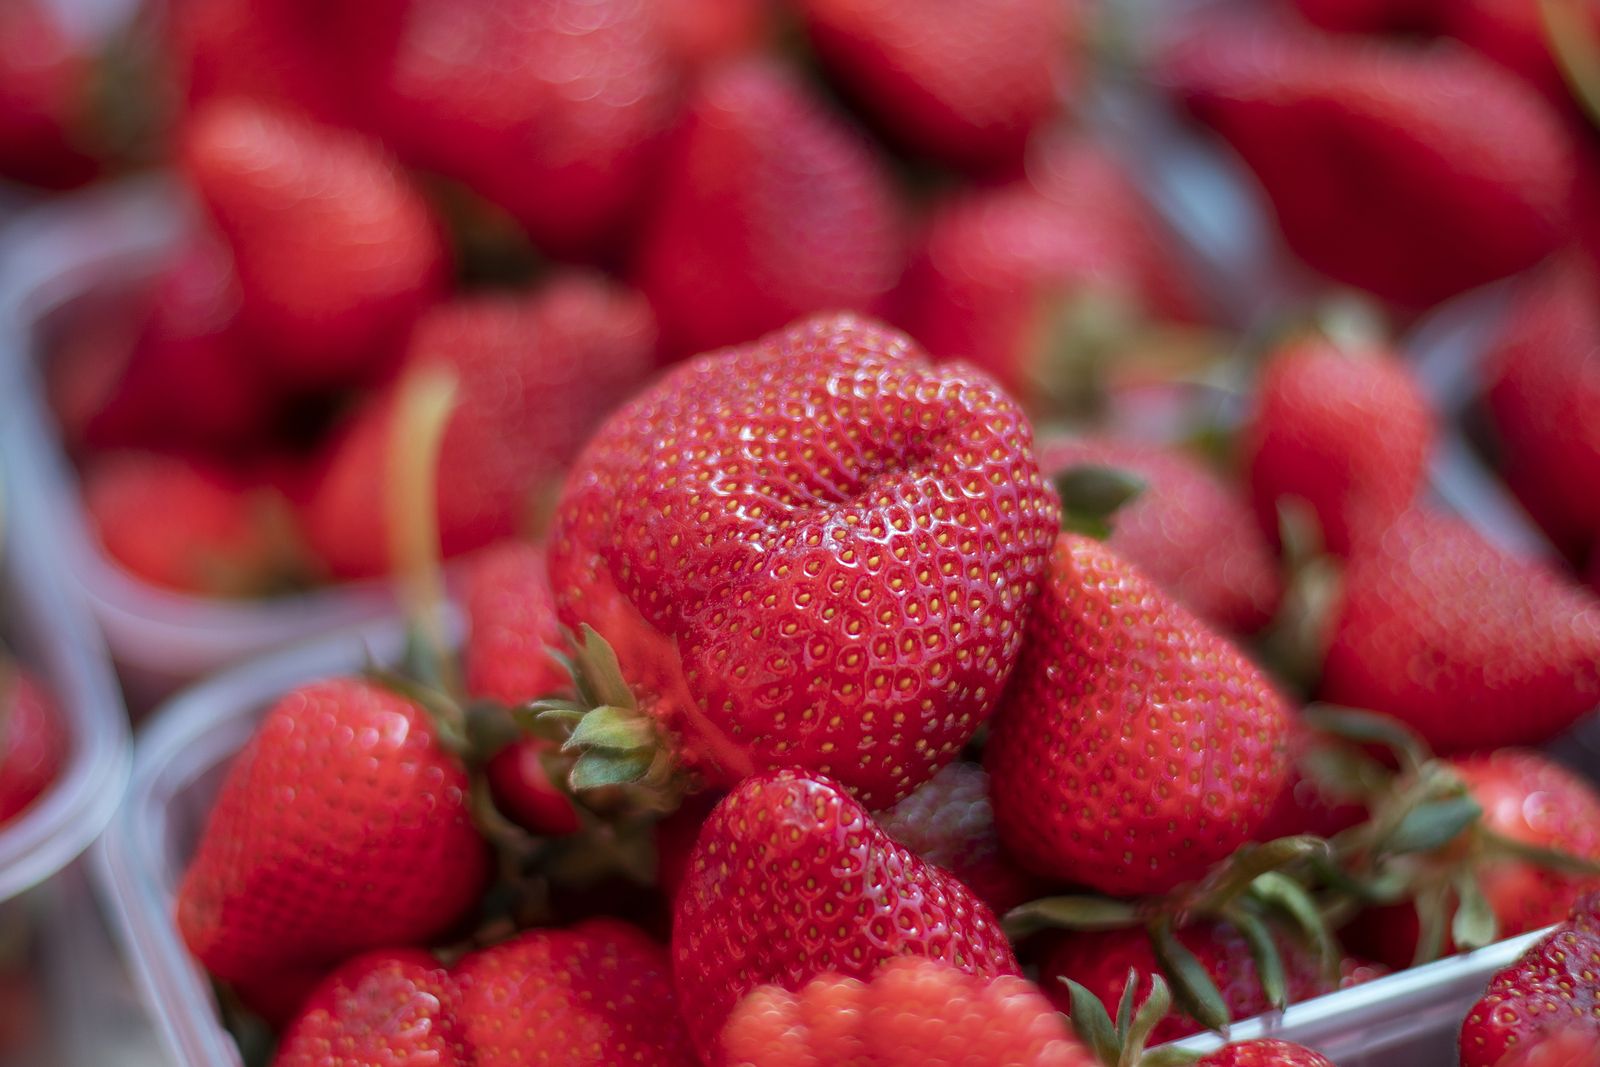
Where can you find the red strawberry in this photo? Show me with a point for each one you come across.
(512, 627)
(1305, 806)
(1100, 960)
(336, 253)
(964, 82)
(593, 995)
(376, 848)
(1267, 1052)
(390, 1007)
(552, 110)
(33, 740)
(1413, 174)
(1543, 385)
(535, 373)
(910, 1013)
(825, 488)
(1311, 436)
(1373, 16)
(44, 83)
(703, 33)
(1187, 530)
(1548, 996)
(791, 879)
(1469, 646)
(189, 526)
(770, 207)
(1122, 695)
(948, 822)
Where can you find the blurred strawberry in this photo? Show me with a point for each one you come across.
(392, 1007)
(771, 207)
(963, 81)
(535, 373)
(551, 109)
(1306, 806)
(1542, 377)
(1513, 34)
(1411, 173)
(1313, 436)
(1188, 530)
(1374, 16)
(703, 33)
(336, 253)
(44, 82)
(189, 526)
(33, 740)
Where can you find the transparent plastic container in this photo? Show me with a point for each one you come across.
(51, 260)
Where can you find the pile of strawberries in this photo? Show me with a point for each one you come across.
(905, 623)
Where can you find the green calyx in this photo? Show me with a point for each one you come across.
(1122, 1043)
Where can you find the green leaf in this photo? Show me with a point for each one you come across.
(1278, 891)
(1136, 1034)
(1130, 989)
(598, 768)
(1264, 951)
(1192, 987)
(1070, 913)
(602, 671)
(1237, 873)
(1091, 1023)
(1366, 728)
(1091, 494)
(1433, 824)
(616, 729)
(1474, 924)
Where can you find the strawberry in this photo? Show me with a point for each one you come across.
(910, 1013)
(44, 82)
(948, 822)
(791, 879)
(704, 33)
(1411, 173)
(534, 374)
(377, 848)
(1548, 996)
(189, 526)
(1267, 1052)
(1310, 436)
(336, 252)
(596, 994)
(1469, 646)
(1512, 33)
(826, 488)
(1187, 530)
(1121, 694)
(33, 740)
(394, 1006)
(552, 110)
(770, 207)
(1542, 381)
(965, 83)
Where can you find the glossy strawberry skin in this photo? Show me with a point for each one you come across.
(336, 252)
(1548, 995)
(851, 595)
(949, 822)
(534, 374)
(1122, 694)
(1413, 174)
(910, 1013)
(1311, 436)
(595, 994)
(554, 111)
(1265, 1053)
(33, 740)
(377, 848)
(1100, 960)
(1188, 530)
(391, 1007)
(770, 207)
(792, 879)
(1471, 647)
(963, 82)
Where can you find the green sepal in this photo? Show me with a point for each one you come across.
(1433, 907)
(1264, 951)
(1369, 727)
(1091, 1023)
(1135, 1034)
(1069, 913)
(596, 660)
(1433, 824)
(613, 729)
(1239, 871)
(1130, 989)
(1474, 924)
(1283, 894)
(598, 768)
(1170, 1056)
(1550, 859)
(1192, 987)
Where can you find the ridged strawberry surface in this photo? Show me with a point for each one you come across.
(1470, 646)
(792, 879)
(1188, 530)
(388, 1008)
(33, 740)
(1268, 1052)
(1413, 173)
(1548, 996)
(596, 994)
(1135, 746)
(341, 826)
(770, 206)
(911, 1013)
(1314, 434)
(814, 550)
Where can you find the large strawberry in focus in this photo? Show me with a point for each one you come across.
(817, 549)
(1470, 646)
(553, 110)
(791, 879)
(390, 1007)
(33, 740)
(1412, 173)
(963, 81)
(341, 826)
(770, 207)
(911, 1013)
(336, 252)
(1135, 746)
(534, 374)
